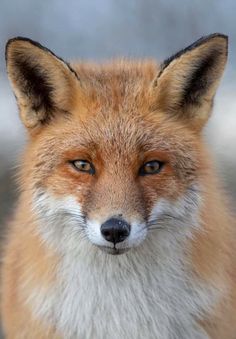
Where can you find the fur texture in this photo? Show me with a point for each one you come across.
(175, 276)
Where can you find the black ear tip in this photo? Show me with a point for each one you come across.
(215, 36)
(20, 39)
(15, 40)
(219, 35)
(218, 38)
(222, 39)
(23, 39)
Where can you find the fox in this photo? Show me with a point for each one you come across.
(122, 229)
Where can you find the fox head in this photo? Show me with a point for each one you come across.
(114, 150)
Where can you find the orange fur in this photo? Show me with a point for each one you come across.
(121, 115)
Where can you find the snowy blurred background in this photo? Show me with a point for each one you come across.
(109, 28)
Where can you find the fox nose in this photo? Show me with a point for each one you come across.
(115, 230)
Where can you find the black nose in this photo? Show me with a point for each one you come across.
(115, 230)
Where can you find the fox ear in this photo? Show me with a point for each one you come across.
(42, 83)
(187, 82)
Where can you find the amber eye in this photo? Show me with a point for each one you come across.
(83, 166)
(151, 167)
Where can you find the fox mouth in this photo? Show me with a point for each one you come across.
(113, 250)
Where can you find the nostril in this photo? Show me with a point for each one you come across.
(106, 233)
(126, 233)
(115, 230)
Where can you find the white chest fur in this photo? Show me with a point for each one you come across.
(146, 293)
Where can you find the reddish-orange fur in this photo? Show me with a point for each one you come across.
(110, 98)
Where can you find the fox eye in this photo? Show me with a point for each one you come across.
(83, 166)
(151, 167)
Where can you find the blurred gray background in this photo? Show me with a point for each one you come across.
(109, 28)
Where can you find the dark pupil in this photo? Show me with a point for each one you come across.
(84, 165)
(152, 167)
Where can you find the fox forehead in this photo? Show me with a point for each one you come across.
(117, 82)
(124, 136)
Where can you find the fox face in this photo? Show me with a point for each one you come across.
(98, 184)
(115, 153)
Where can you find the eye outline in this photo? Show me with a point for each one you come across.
(142, 172)
(91, 171)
